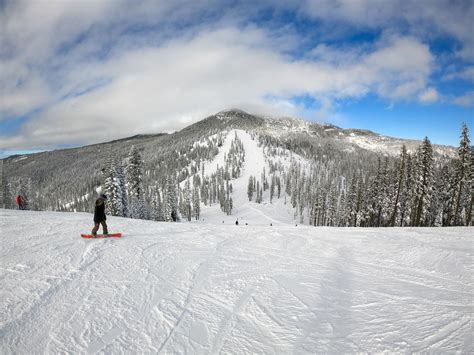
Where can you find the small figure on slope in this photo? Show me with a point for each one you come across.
(19, 202)
(99, 215)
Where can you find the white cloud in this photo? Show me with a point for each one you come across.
(420, 18)
(156, 89)
(96, 79)
(465, 74)
(429, 95)
(466, 100)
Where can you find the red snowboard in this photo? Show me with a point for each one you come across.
(113, 235)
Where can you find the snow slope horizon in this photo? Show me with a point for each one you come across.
(205, 288)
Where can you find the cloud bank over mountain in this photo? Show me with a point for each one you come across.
(75, 72)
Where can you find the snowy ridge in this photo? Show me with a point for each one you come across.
(204, 288)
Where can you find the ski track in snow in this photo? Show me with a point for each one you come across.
(203, 288)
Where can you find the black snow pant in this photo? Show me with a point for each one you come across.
(96, 227)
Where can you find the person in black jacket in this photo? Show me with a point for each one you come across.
(99, 215)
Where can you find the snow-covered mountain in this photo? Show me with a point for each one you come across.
(354, 138)
(311, 165)
(200, 288)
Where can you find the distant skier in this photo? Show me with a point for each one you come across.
(99, 215)
(19, 202)
(237, 222)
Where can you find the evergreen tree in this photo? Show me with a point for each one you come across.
(400, 174)
(351, 205)
(157, 206)
(463, 167)
(272, 188)
(469, 214)
(187, 200)
(425, 183)
(134, 181)
(120, 176)
(196, 204)
(250, 188)
(113, 189)
(278, 182)
(171, 203)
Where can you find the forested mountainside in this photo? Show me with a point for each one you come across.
(237, 163)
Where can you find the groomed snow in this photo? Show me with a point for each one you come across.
(203, 288)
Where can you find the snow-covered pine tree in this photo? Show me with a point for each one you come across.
(425, 184)
(135, 185)
(26, 192)
(351, 204)
(257, 198)
(156, 205)
(407, 198)
(111, 187)
(196, 204)
(442, 202)
(8, 197)
(332, 206)
(187, 200)
(470, 214)
(121, 177)
(250, 188)
(341, 207)
(278, 183)
(272, 188)
(170, 202)
(400, 170)
(463, 166)
(361, 203)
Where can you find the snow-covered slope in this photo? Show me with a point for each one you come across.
(203, 288)
(256, 160)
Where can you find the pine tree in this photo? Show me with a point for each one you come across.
(272, 188)
(400, 174)
(26, 193)
(171, 203)
(469, 214)
(196, 204)
(462, 174)
(278, 182)
(156, 205)
(134, 180)
(332, 206)
(187, 200)
(250, 188)
(442, 205)
(120, 175)
(351, 205)
(425, 182)
(340, 214)
(112, 188)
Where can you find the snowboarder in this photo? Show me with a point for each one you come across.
(19, 202)
(99, 215)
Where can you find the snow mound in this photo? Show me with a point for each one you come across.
(202, 288)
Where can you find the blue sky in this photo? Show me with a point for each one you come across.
(76, 73)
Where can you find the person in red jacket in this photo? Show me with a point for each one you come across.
(19, 202)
